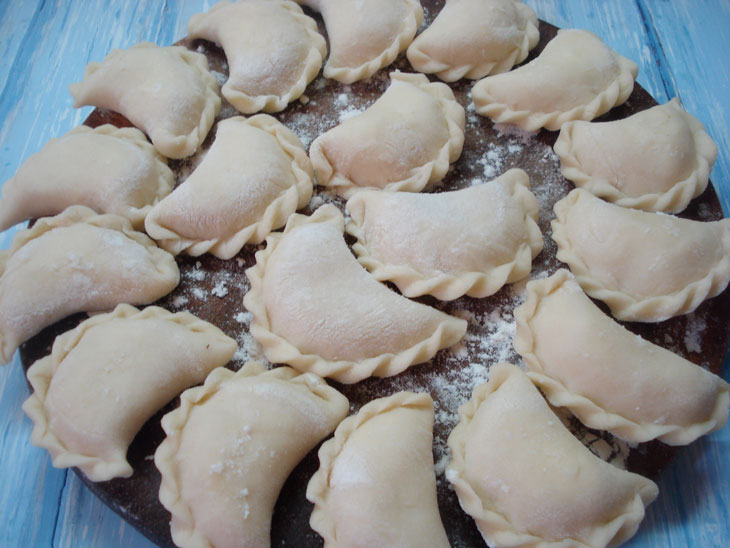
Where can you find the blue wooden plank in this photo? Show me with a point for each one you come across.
(694, 38)
(107, 528)
(31, 489)
(15, 20)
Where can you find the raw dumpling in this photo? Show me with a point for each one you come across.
(404, 141)
(105, 378)
(527, 481)
(365, 36)
(273, 51)
(166, 92)
(646, 267)
(576, 77)
(108, 169)
(77, 261)
(231, 445)
(470, 241)
(656, 160)
(608, 377)
(376, 484)
(315, 308)
(474, 38)
(254, 176)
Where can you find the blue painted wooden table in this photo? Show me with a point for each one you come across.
(681, 47)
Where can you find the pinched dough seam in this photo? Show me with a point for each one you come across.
(249, 104)
(628, 307)
(616, 93)
(448, 286)
(169, 144)
(279, 350)
(275, 214)
(494, 526)
(348, 75)
(40, 376)
(588, 412)
(673, 200)
(318, 485)
(183, 527)
(423, 62)
(431, 171)
(82, 215)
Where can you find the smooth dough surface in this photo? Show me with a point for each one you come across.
(109, 169)
(365, 36)
(474, 38)
(230, 447)
(254, 176)
(77, 261)
(527, 481)
(376, 484)
(273, 51)
(608, 377)
(470, 241)
(106, 378)
(576, 77)
(315, 308)
(658, 159)
(403, 141)
(167, 92)
(646, 267)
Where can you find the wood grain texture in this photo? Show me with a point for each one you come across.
(44, 46)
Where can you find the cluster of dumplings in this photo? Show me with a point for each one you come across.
(234, 440)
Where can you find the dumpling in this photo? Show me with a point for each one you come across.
(376, 484)
(404, 141)
(254, 176)
(608, 377)
(646, 267)
(527, 481)
(656, 160)
(109, 169)
(474, 38)
(470, 241)
(106, 378)
(576, 77)
(231, 445)
(273, 51)
(166, 92)
(315, 308)
(77, 261)
(365, 36)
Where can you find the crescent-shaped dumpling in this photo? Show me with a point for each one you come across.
(273, 51)
(254, 176)
(403, 141)
(230, 447)
(608, 377)
(365, 36)
(659, 159)
(315, 308)
(474, 38)
(646, 267)
(109, 169)
(527, 481)
(576, 77)
(105, 378)
(77, 261)
(376, 484)
(470, 241)
(167, 92)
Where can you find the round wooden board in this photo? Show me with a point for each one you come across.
(213, 290)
